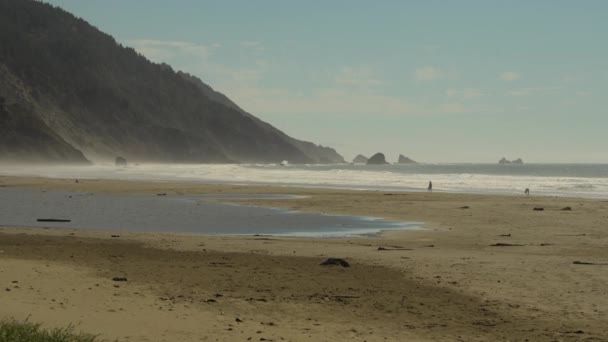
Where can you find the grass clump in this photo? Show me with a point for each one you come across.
(24, 331)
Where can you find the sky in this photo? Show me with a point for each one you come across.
(437, 81)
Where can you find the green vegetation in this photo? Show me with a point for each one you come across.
(24, 331)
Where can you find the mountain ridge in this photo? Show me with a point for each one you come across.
(90, 94)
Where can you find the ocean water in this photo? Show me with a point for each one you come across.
(567, 180)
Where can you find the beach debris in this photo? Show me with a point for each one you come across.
(546, 244)
(119, 279)
(381, 248)
(161, 194)
(52, 220)
(588, 263)
(335, 261)
(238, 320)
(503, 244)
(465, 207)
(211, 301)
(567, 208)
(539, 209)
(574, 332)
(272, 324)
(430, 246)
(115, 236)
(505, 235)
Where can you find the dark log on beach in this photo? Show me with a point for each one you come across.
(335, 261)
(53, 220)
(119, 279)
(588, 263)
(538, 209)
(502, 244)
(394, 249)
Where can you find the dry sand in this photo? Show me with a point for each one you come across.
(447, 283)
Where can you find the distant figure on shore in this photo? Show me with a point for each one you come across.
(430, 188)
(527, 192)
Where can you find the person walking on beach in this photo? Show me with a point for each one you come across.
(430, 188)
(527, 192)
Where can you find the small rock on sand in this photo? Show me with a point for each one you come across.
(335, 261)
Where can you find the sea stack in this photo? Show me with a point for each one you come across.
(360, 159)
(405, 160)
(120, 161)
(377, 159)
(504, 160)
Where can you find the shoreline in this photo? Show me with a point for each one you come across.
(556, 181)
(447, 283)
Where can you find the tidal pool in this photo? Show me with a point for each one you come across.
(200, 214)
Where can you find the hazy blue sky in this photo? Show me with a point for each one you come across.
(438, 81)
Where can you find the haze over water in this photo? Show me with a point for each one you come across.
(567, 180)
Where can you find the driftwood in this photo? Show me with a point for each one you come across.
(394, 249)
(502, 244)
(52, 220)
(335, 261)
(588, 263)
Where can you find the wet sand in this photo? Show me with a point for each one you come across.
(447, 283)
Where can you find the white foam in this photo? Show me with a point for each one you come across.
(329, 177)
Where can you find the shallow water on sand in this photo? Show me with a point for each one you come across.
(177, 213)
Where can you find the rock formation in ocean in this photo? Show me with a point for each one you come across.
(377, 159)
(69, 90)
(120, 161)
(405, 160)
(506, 161)
(360, 159)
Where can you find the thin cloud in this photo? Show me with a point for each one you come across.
(352, 90)
(533, 91)
(360, 76)
(428, 73)
(466, 94)
(163, 50)
(509, 76)
(250, 43)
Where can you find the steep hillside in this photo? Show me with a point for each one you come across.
(93, 95)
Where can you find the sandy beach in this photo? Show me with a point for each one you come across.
(488, 268)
